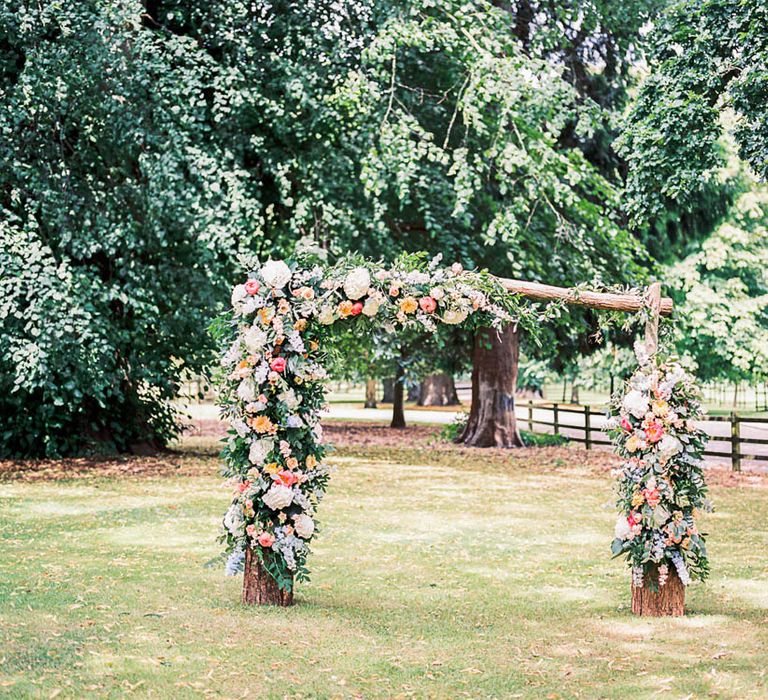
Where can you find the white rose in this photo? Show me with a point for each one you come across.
(636, 403)
(276, 273)
(357, 283)
(259, 451)
(233, 520)
(304, 526)
(454, 316)
(437, 293)
(456, 268)
(371, 306)
(240, 427)
(246, 390)
(278, 497)
(326, 316)
(255, 339)
(238, 294)
(669, 445)
(622, 530)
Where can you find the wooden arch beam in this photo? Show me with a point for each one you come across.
(596, 300)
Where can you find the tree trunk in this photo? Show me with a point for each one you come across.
(575, 391)
(438, 390)
(259, 588)
(398, 412)
(389, 390)
(492, 420)
(667, 601)
(370, 393)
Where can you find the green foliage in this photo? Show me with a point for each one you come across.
(722, 289)
(116, 209)
(707, 54)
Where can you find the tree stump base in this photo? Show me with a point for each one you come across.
(259, 588)
(667, 601)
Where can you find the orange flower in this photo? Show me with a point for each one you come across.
(266, 314)
(311, 461)
(292, 463)
(313, 345)
(283, 306)
(262, 424)
(345, 308)
(409, 305)
(300, 325)
(271, 468)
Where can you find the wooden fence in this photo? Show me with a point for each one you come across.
(732, 438)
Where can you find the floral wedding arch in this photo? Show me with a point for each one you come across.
(275, 340)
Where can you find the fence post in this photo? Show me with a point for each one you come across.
(530, 415)
(554, 419)
(587, 435)
(735, 440)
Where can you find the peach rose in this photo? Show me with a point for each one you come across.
(266, 539)
(409, 305)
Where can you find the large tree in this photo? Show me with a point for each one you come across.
(709, 57)
(121, 214)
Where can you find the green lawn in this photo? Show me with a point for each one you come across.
(437, 575)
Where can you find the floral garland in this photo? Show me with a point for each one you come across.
(661, 486)
(276, 340)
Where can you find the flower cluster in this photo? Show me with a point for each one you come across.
(661, 485)
(272, 382)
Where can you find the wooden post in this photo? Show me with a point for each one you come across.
(259, 588)
(735, 442)
(652, 324)
(666, 601)
(587, 428)
(554, 418)
(530, 416)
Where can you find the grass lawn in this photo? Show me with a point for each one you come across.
(440, 572)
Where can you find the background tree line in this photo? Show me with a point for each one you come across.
(144, 146)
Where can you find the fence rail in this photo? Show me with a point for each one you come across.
(739, 440)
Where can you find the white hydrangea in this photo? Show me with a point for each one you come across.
(622, 530)
(240, 427)
(357, 283)
(636, 403)
(234, 521)
(246, 390)
(371, 306)
(259, 450)
(669, 446)
(454, 316)
(255, 339)
(238, 294)
(278, 497)
(276, 273)
(326, 316)
(303, 525)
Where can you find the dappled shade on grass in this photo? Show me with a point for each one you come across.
(440, 571)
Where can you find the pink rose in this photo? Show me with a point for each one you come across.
(265, 539)
(287, 478)
(652, 496)
(244, 486)
(252, 287)
(250, 529)
(357, 308)
(278, 364)
(626, 425)
(427, 304)
(654, 431)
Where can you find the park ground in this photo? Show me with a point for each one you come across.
(440, 572)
